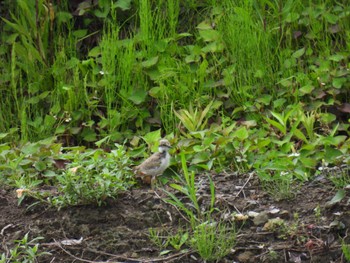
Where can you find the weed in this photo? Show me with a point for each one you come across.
(157, 238)
(346, 250)
(213, 240)
(280, 187)
(92, 177)
(25, 250)
(340, 176)
(318, 213)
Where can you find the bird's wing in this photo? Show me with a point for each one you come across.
(150, 164)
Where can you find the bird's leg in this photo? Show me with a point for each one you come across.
(153, 179)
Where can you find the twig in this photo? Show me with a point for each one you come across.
(143, 260)
(250, 176)
(6, 227)
(75, 257)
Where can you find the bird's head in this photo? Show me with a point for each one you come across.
(164, 145)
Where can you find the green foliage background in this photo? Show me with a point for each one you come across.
(85, 70)
(239, 85)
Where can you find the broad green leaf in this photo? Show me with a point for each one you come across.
(184, 238)
(308, 162)
(331, 154)
(3, 135)
(279, 117)
(95, 52)
(179, 188)
(209, 35)
(99, 142)
(297, 133)
(205, 25)
(88, 135)
(165, 252)
(123, 4)
(152, 139)
(263, 143)
(291, 17)
(40, 166)
(30, 148)
(330, 18)
(138, 96)
(201, 157)
(213, 47)
(286, 82)
(298, 53)
(277, 125)
(80, 33)
(337, 198)
(199, 148)
(339, 82)
(63, 17)
(155, 92)
(337, 140)
(150, 62)
(279, 102)
(327, 117)
(337, 57)
(307, 89)
(265, 99)
(241, 133)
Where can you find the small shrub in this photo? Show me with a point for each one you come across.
(94, 176)
(25, 250)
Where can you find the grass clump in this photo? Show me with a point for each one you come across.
(24, 250)
(212, 239)
(346, 250)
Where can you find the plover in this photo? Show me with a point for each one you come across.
(154, 165)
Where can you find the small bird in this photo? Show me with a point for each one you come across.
(154, 165)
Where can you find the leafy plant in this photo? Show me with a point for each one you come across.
(94, 176)
(213, 240)
(25, 250)
(346, 250)
(163, 239)
(280, 186)
(194, 119)
(188, 188)
(340, 176)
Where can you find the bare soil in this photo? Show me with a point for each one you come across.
(119, 231)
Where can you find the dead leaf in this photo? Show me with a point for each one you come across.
(20, 192)
(71, 242)
(345, 107)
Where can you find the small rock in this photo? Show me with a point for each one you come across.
(240, 217)
(261, 218)
(246, 257)
(274, 211)
(285, 214)
(253, 214)
(273, 224)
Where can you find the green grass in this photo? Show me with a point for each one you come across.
(24, 250)
(250, 54)
(237, 85)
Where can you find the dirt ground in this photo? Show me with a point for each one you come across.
(302, 229)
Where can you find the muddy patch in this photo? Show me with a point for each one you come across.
(302, 229)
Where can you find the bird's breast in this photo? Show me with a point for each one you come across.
(165, 162)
